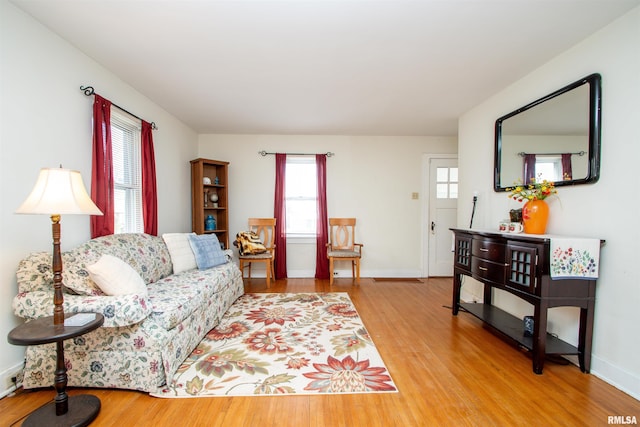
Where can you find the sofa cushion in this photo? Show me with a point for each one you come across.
(207, 250)
(115, 277)
(174, 298)
(146, 254)
(182, 256)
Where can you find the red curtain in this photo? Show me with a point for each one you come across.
(102, 169)
(322, 233)
(567, 172)
(280, 215)
(529, 170)
(149, 193)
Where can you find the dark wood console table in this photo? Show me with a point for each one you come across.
(519, 264)
(78, 410)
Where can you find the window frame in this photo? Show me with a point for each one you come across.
(131, 128)
(449, 182)
(297, 236)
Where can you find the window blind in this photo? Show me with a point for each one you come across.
(127, 173)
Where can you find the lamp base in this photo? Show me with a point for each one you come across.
(83, 409)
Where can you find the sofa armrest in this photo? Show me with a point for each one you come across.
(121, 310)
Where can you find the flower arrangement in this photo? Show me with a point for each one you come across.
(536, 190)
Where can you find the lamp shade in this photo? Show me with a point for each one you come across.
(59, 192)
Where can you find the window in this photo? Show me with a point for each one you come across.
(549, 168)
(301, 197)
(127, 174)
(446, 183)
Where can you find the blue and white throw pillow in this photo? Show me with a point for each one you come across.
(207, 250)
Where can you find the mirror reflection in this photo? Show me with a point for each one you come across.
(554, 138)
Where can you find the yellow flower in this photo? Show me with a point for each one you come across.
(536, 190)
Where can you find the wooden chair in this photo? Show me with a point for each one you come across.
(265, 228)
(342, 246)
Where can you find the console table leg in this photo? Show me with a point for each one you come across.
(584, 337)
(457, 284)
(539, 337)
(487, 294)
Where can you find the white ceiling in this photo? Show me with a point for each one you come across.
(360, 67)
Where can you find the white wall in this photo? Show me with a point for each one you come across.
(606, 209)
(45, 121)
(370, 178)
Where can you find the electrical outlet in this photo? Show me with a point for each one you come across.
(10, 374)
(335, 273)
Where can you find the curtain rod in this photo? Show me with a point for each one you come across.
(328, 154)
(88, 90)
(579, 153)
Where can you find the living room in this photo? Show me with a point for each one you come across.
(46, 120)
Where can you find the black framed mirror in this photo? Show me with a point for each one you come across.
(556, 137)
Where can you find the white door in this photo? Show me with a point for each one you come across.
(443, 211)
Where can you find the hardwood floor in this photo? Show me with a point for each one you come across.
(449, 371)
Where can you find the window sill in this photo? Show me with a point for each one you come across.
(301, 239)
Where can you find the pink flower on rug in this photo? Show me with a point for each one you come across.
(216, 364)
(273, 315)
(297, 362)
(347, 376)
(344, 310)
(224, 332)
(269, 341)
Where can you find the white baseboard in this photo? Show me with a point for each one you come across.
(300, 274)
(466, 296)
(346, 273)
(619, 378)
(6, 385)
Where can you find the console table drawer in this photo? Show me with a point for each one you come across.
(488, 249)
(487, 270)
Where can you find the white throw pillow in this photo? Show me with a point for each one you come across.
(182, 256)
(115, 277)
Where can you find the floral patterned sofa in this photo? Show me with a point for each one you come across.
(145, 337)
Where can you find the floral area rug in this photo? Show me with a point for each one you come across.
(279, 344)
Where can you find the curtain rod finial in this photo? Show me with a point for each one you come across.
(262, 153)
(88, 90)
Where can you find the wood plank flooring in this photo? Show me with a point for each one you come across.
(449, 370)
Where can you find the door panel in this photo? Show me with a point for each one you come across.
(443, 213)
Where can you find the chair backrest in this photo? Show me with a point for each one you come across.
(342, 233)
(265, 228)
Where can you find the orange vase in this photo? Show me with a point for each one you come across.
(535, 214)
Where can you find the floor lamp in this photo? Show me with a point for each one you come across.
(58, 192)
